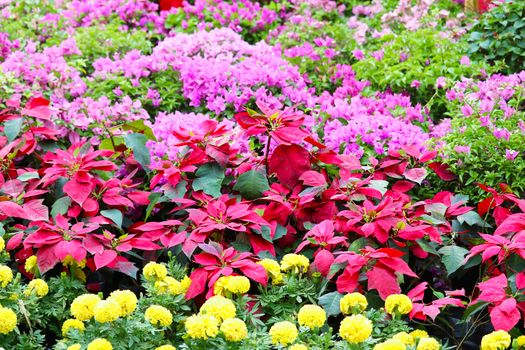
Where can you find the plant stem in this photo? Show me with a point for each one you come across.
(267, 154)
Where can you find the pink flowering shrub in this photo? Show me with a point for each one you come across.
(487, 116)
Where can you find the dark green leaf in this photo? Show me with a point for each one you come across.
(251, 184)
(209, 179)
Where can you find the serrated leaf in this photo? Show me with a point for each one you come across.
(12, 128)
(452, 257)
(209, 179)
(251, 184)
(114, 215)
(60, 206)
(331, 303)
(137, 142)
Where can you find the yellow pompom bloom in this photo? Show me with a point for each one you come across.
(283, 333)
(219, 307)
(6, 275)
(100, 344)
(31, 264)
(398, 304)
(355, 329)
(519, 342)
(74, 347)
(107, 311)
(298, 347)
(72, 323)
(155, 272)
(127, 301)
(273, 270)
(238, 284)
(234, 329)
(295, 263)
(390, 344)
(7, 320)
(83, 305)
(353, 303)
(418, 334)
(158, 316)
(2, 244)
(186, 282)
(498, 340)
(38, 286)
(311, 316)
(428, 344)
(405, 338)
(166, 347)
(201, 327)
(70, 261)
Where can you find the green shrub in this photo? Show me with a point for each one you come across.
(500, 35)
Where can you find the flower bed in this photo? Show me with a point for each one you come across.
(257, 175)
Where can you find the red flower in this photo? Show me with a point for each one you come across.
(283, 126)
(76, 164)
(217, 262)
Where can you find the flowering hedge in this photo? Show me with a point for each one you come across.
(188, 175)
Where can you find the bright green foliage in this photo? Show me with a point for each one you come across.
(500, 35)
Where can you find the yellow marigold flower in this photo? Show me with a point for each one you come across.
(7, 320)
(311, 316)
(498, 340)
(283, 333)
(83, 305)
(405, 338)
(355, 329)
(428, 344)
(155, 272)
(219, 307)
(418, 334)
(219, 288)
(186, 282)
(519, 342)
(398, 304)
(2, 244)
(273, 270)
(390, 344)
(127, 301)
(107, 311)
(298, 347)
(39, 286)
(353, 303)
(100, 344)
(72, 323)
(234, 329)
(238, 284)
(158, 316)
(31, 264)
(70, 261)
(201, 327)
(74, 347)
(6, 275)
(166, 347)
(231, 284)
(295, 263)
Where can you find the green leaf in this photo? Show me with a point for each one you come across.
(472, 218)
(114, 215)
(426, 246)
(153, 198)
(109, 143)
(28, 176)
(12, 128)
(137, 142)
(452, 257)
(209, 179)
(251, 184)
(60, 206)
(331, 303)
(138, 126)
